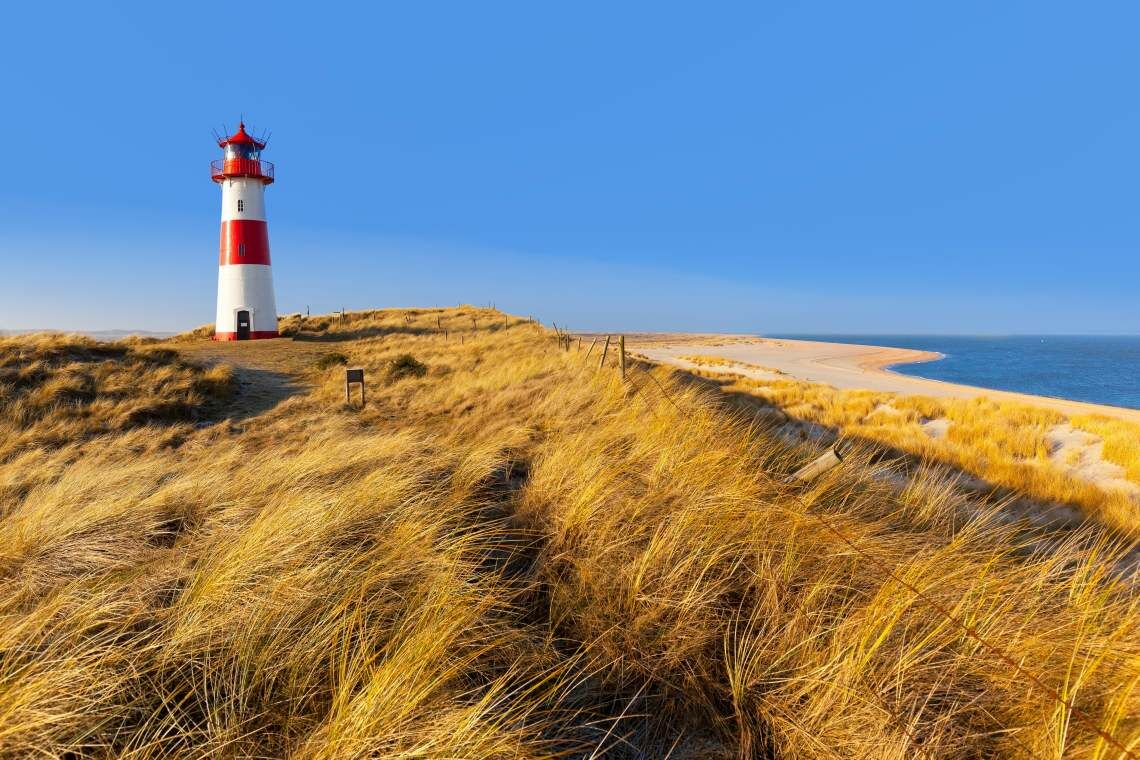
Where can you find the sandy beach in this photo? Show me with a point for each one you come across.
(840, 365)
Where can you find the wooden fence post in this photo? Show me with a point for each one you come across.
(820, 465)
(621, 344)
(594, 343)
(605, 350)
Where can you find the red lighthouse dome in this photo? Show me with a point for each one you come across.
(242, 158)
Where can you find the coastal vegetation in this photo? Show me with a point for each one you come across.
(509, 552)
(703, 360)
(1006, 444)
(57, 391)
(1121, 441)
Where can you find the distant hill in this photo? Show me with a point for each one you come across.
(107, 335)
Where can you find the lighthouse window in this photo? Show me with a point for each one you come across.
(241, 205)
(241, 246)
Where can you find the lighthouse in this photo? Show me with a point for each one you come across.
(246, 307)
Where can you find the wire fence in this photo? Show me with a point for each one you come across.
(565, 341)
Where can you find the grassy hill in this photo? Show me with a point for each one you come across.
(509, 552)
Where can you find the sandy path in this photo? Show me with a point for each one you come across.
(268, 371)
(839, 365)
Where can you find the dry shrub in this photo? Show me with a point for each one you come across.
(406, 365)
(330, 360)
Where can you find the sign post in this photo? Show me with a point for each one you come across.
(353, 375)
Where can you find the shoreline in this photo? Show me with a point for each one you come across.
(1106, 409)
(841, 365)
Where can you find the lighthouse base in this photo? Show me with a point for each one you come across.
(246, 308)
(255, 335)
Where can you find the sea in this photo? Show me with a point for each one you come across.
(1102, 369)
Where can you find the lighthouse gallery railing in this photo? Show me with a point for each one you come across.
(241, 167)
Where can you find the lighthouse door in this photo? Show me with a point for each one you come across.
(243, 325)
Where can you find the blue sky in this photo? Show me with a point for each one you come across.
(828, 167)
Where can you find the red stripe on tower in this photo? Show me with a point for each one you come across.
(244, 241)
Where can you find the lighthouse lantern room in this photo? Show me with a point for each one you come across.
(246, 307)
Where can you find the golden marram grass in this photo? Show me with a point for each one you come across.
(512, 555)
(1006, 443)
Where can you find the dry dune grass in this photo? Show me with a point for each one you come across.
(1005, 443)
(59, 391)
(513, 554)
(706, 360)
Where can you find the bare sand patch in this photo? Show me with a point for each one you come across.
(886, 409)
(1080, 454)
(936, 428)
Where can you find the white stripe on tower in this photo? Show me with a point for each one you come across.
(243, 198)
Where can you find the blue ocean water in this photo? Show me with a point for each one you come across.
(1103, 369)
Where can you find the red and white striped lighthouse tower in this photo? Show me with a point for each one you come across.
(246, 307)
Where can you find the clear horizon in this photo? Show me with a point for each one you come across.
(882, 169)
(771, 335)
